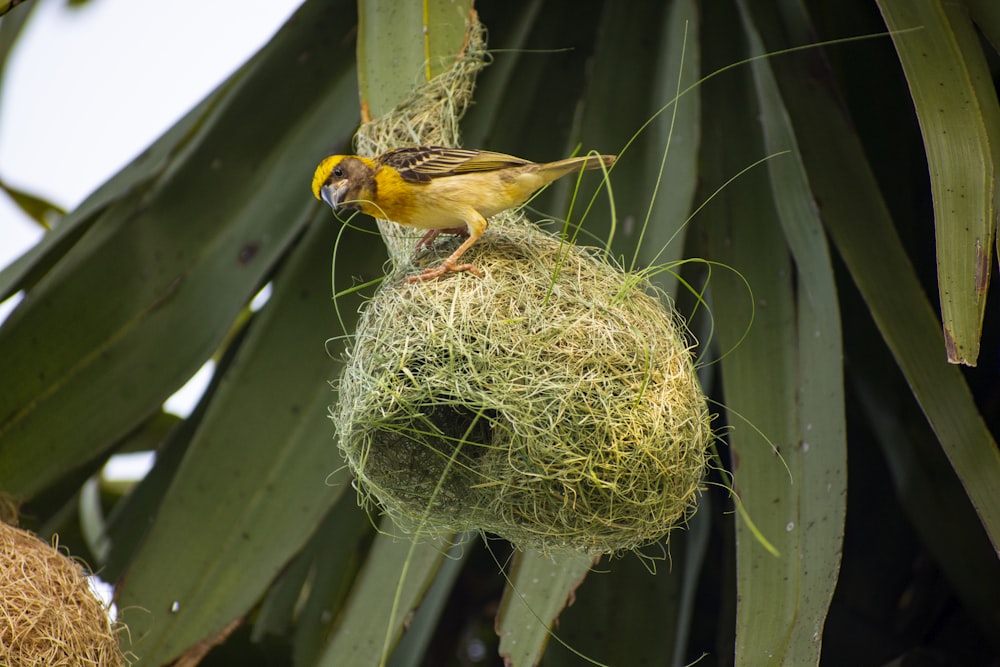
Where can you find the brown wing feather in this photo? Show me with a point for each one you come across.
(423, 163)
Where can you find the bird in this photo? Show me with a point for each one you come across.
(440, 190)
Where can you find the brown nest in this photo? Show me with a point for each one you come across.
(48, 613)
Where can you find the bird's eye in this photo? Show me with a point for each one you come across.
(338, 172)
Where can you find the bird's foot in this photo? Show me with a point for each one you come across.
(445, 267)
(428, 238)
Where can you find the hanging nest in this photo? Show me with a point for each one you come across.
(48, 613)
(552, 402)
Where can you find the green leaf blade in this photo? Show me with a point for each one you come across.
(858, 221)
(264, 452)
(191, 248)
(959, 118)
(540, 586)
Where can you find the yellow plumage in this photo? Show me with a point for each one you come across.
(439, 189)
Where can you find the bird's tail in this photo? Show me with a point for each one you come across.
(569, 165)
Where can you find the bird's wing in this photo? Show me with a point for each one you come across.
(423, 163)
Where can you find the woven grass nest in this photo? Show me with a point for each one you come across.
(48, 613)
(552, 402)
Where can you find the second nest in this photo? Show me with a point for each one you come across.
(552, 402)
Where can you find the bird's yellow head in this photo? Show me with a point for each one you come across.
(324, 173)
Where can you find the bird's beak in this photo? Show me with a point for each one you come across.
(333, 193)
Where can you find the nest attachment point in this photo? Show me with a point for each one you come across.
(48, 613)
(552, 402)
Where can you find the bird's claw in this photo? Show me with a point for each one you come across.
(446, 267)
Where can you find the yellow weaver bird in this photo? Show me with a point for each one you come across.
(441, 190)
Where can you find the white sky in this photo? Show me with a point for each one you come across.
(87, 89)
